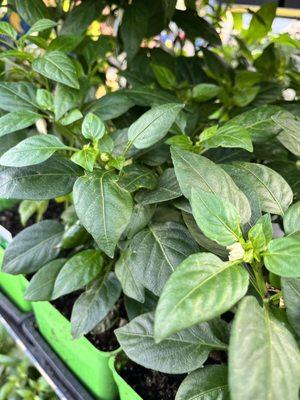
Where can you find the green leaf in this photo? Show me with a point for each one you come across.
(156, 251)
(167, 189)
(208, 383)
(134, 28)
(17, 120)
(261, 233)
(41, 25)
(94, 304)
(44, 99)
(81, 16)
(164, 76)
(289, 137)
(140, 217)
(129, 282)
(57, 66)
(52, 178)
(182, 141)
(17, 96)
(201, 288)
(217, 218)
(92, 127)
(65, 99)
(271, 353)
(7, 30)
(229, 135)
(259, 122)
(261, 22)
(153, 125)
(31, 151)
(178, 354)
(32, 248)
(169, 8)
(71, 117)
(274, 193)
(202, 240)
(282, 256)
(291, 219)
(103, 207)
(42, 283)
(112, 105)
(193, 170)
(137, 176)
(86, 158)
(77, 272)
(65, 43)
(32, 10)
(205, 91)
(291, 296)
(28, 208)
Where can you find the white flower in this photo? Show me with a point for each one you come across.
(236, 251)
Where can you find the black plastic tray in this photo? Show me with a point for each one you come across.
(21, 326)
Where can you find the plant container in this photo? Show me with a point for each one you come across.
(88, 363)
(13, 286)
(126, 392)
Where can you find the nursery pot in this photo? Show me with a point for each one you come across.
(88, 363)
(13, 286)
(126, 392)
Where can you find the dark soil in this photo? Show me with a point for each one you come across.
(149, 384)
(10, 219)
(102, 340)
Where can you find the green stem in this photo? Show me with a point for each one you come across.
(257, 269)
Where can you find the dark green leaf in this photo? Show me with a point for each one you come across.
(180, 353)
(15, 96)
(291, 295)
(32, 248)
(137, 176)
(201, 288)
(291, 219)
(16, 120)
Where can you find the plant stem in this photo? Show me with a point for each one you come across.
(257, 269)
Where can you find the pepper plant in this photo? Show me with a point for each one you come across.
(180, 189)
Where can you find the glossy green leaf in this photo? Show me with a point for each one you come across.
(103, 207)
(201, 288)
(291, 219)
(52, 178)
(289, 137)
(217, 218)
(261, 22)
(44, 99)
(205, 91)
(77, 272)
(167, 189)
(92, 127)
(85, 157)
(65, 43)
(136, 177)
(259, 122)
(164, 76)
(179, 353)
(57, 66)
(156, 251)
(261, 233)
(32, 248)
(31, 151)
(153, 125)
(32, 10)
(229, 135)
(208, 383)
(282, 256)
(6, 29)
(131, 286)
(65, 99)
(41, 285)
(15, 96)
(94, 304)
(16, 120)
(140, 217)
(291, 295)
(111, 106)
(193, 170)
(41, 25)
(273, 191)
(134, 27)
(71, 117)
(262, 345)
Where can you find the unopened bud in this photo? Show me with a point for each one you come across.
(236, 251)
